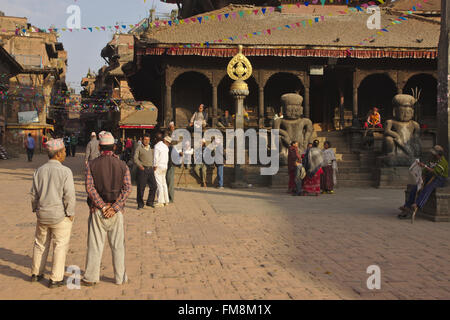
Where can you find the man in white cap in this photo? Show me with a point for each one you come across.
(160, 163)
(108, 184)
(53, 200)
(92, 151)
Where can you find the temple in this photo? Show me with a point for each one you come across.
(179, 67)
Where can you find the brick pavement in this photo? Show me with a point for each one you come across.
(239, 244)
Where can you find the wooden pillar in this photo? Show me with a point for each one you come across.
(214, 105)
(168, 106)
(261, 108)
(307, 109)
(443, 113)
(355, 95)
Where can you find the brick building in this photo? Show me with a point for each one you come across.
(39, 89)
(9, 67)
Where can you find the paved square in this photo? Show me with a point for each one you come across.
(238, 244)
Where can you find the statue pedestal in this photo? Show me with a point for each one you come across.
(437, 207)
(393, 177)
(281, 179)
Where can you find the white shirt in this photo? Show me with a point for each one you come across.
(328, 157)
(161, 157)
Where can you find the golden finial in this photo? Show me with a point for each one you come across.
(239, 67)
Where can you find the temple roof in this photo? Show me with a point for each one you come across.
(335, 32)
(429, 6)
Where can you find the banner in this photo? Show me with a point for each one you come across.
(28, 117)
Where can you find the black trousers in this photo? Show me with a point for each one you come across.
(30, 154)
(74, 149)
(146, 177)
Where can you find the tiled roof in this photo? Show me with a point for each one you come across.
(336, 31)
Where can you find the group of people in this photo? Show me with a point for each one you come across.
(200, 119)
(108, 185)
(155, 170)
(71, 142)
(312, 172)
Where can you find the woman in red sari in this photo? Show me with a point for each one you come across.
(293, 157)
(313, 165)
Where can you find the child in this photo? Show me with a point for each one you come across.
(300, 173)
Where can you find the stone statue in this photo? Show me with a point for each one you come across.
(402, 135)
(293, 127)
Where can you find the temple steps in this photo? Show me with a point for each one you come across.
(355, 169)
(355, 184)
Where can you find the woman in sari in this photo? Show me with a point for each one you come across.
(293, 157)
(329, 167)
(313, 166)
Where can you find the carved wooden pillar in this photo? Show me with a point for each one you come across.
(168, 106)
(214, 105)
(355, 94)
(401, 81)
(307, 111)
(261, 107)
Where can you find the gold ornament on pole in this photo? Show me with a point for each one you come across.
(239, 69)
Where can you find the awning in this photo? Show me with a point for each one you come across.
(141, 119)
(137, 127)
(30, 126)
(285, 52)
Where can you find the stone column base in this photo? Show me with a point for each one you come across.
(437, 208)
(393, 177)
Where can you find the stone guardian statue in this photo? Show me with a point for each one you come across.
(402, 134)
(293, 126)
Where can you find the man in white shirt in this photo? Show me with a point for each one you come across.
(53, 200)
(160, 163)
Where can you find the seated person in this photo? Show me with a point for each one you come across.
(278, 116)
(373, 119)
(225, 121)
(246, 117)
(434, 175)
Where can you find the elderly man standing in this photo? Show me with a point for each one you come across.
(199, 119)
(92, 150)
(108, 184)
(160, 166)
(143, 158)
(200, 168)
(53, 201)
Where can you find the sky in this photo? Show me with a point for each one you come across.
(83, 47)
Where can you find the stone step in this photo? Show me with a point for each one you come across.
(353, 169)
(355, 176)
(348, 156)
(355, 184)
(349, 163)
